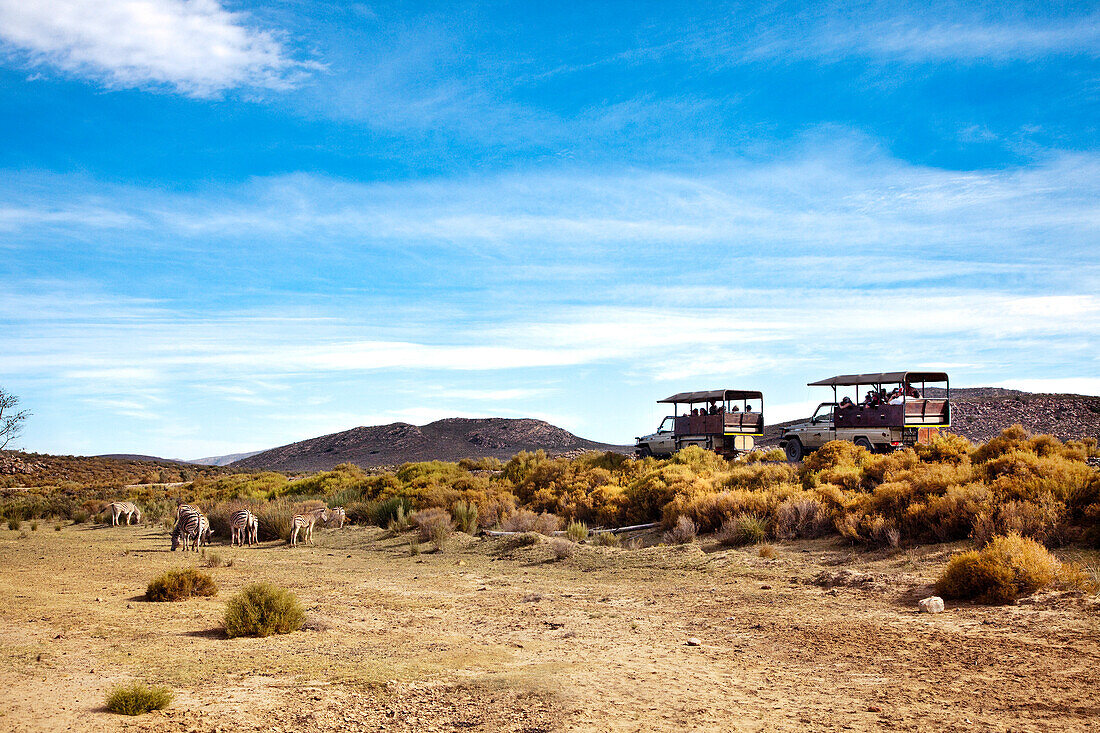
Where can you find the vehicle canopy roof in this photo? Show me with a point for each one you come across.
(850, 380)
(715, 395)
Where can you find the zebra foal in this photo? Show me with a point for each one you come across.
(127, 508)
(243, 527)
(305, 521)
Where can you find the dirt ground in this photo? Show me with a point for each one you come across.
(488, 636)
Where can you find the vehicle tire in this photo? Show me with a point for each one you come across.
(795, 451)
(864, 443)
(643, 452)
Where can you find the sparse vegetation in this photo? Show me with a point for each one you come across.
(212, 559)
(263, 609)
(14, 524)
(178, 585)
(562, 549)
(434, 525)
(606, 539)
(34, 526)
(137, 698)
(767, 551)
(683, 533)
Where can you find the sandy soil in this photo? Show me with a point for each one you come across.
(487, 637)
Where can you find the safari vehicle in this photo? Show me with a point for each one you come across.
(738, 420)
(880, 426)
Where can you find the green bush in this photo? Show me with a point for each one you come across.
(80, 516)
(385, 511)
(138, 698)
(606, 539)
(14, 524)
(1007, 568)
(178, 585)
(577, 531)
(263, 609)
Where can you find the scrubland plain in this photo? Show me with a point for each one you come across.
(496, 635)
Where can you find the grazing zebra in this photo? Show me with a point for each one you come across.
(305, 522)
(188, 525)
(243, 527)
(120, 508)
(337, 517)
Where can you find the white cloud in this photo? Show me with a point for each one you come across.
(196, 47)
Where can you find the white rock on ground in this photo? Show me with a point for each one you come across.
(932, 604)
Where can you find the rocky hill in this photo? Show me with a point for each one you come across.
(40, 469)
(448, 440)
(979, 413)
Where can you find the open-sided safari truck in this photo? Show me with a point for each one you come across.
(878, 421)
(722, 420)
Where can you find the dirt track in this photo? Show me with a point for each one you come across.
(483, 638)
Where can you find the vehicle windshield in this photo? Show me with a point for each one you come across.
(668, 425)
(824, 412)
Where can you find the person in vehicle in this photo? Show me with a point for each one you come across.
(748, 408)
(896, 397)
(713, 408)
(695, 412)
(847, 404)
(735, 408)
(911, 391)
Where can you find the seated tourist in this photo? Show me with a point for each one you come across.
(911, 391)
(896, 397)
(713, 409)
(735, 408)
(748, 408)
(847, 404)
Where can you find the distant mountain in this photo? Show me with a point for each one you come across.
(139, 457)
(448, 440)
(222, 460)
(980, 413)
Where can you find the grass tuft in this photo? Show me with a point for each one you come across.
(744, 529)
(263, 609)
(562, 548)
(465, 516)
(577, 531)
(683, 533)
(137, 698)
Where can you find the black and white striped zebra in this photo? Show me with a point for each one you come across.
(337, 517)
(121, 508)
(191, 526)
(243, 527)
(305, 521)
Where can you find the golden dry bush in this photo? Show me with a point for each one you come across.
(1007, 568)
(179, 585)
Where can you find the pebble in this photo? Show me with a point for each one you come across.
(693, 641)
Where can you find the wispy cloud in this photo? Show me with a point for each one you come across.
(195, 47)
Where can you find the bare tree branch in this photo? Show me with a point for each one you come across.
(11, 423)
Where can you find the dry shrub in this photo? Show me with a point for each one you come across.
(880, 531)
(836, 454)
(767, 551)
(683, 533)
(137, 698)
(945, 448)
(525, 520)
(774, 455)
(433, 525)
(263, 609)
(178, 585)
(275, 518)
(806, 518)
(1005, 569)
(744, 529)
(562, 548)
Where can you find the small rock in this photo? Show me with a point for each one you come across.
(765, 587)
(462, 563)
(874, 709)
(694, 642)
(98, 599)
(932, 604)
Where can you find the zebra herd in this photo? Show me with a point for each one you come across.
(192, 528)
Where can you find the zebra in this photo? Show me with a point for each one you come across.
(305, 522)
(337, 517)
(189, 526)
(127, 508)
(243, 527)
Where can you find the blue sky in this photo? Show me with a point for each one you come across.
(226, 226)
